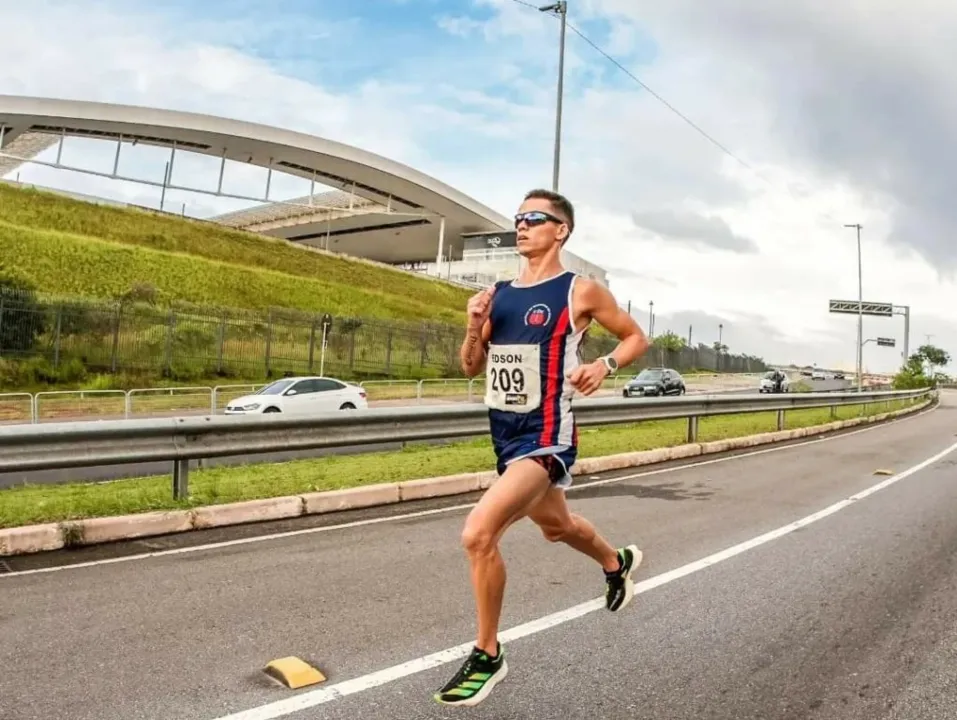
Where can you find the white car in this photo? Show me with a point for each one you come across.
(768, 385)
(301, 395)
(819, 375)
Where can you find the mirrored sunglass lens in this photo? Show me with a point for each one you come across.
(532, 218)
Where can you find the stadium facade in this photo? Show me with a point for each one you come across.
(376, 208)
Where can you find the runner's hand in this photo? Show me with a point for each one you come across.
(588, 378)
(479, 307)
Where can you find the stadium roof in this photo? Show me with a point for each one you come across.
(382, 209)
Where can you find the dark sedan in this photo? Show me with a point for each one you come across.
(654, 381)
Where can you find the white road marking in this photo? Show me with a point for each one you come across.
(367, 682)
(450, 508)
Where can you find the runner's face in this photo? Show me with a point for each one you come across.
(535, 238)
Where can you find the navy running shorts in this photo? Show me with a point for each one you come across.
(557, 460)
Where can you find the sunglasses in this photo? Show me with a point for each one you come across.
(534, 218)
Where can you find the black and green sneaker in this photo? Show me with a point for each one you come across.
(619, 587)
(475, 679)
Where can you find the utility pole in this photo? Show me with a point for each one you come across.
(689, 335)
(651, 318)
(560, 9)
(860, 307)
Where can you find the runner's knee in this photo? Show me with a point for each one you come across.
(477, 539)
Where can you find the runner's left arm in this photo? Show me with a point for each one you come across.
(597, 303)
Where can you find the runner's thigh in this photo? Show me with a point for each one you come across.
(509, 499)
(552, 513)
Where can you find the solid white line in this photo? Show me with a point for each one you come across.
(450, 508)
(381, 677)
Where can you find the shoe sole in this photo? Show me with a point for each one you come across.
(629, 583)
(481, 694)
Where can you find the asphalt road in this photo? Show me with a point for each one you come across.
(145, 469)
(852, 615)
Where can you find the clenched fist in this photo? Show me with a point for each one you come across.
(588, 378)
(479, 307)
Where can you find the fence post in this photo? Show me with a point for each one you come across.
(170, 329)
(180, 479)
(388, 352)
(312, 343)
(268, 340)
(56, 339)
(780, 420)
(692, 428)
(222, 344)
(116, 339)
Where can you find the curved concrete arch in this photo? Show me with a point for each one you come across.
(35, 123)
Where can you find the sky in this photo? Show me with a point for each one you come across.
(818, 113)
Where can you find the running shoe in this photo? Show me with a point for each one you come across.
(619, 587)
(475, 679)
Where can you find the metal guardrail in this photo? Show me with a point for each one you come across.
(179, 440)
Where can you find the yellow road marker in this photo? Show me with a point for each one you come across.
(883, 472)
(294, 673)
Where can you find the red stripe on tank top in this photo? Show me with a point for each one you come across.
(552, 379)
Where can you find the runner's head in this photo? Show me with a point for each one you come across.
(543, 222)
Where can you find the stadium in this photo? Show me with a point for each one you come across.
(360, 204)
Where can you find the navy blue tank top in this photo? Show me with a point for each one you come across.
(533, 347)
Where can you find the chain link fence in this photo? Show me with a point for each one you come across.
(183, 342)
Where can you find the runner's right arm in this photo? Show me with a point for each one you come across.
(477, 333)
(473, 353)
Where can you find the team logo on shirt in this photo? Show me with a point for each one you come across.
(538, 315)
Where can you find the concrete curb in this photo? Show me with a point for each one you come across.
(54, 536)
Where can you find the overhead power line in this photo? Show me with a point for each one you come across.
(651, 91)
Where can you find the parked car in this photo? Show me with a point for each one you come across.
(301, 395)
(774, 381)
(654, 381)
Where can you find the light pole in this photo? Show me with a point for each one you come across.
(561, 9)
(860, 307)
(720, 336)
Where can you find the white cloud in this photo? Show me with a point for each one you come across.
(480, 117)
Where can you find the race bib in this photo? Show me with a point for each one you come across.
(513, 379)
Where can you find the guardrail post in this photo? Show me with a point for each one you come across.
(692, 428)
(833, 412)
(780, 420)
(418, 391)
(180, 479)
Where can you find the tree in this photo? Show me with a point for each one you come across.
(670, 341)
(719, 347)
(912, 376)
(933, 356)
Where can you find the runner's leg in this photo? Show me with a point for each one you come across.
(559, 524)
(520, 488)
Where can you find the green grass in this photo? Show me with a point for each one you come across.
(38, 504)
(72, 247)
(82, 266)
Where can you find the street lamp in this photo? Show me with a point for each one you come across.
(860, 307)
(561, 9)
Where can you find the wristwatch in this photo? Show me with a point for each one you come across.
(609, 363)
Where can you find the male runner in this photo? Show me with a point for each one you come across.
(527, 334)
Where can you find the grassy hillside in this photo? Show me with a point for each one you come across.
(67, 246)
